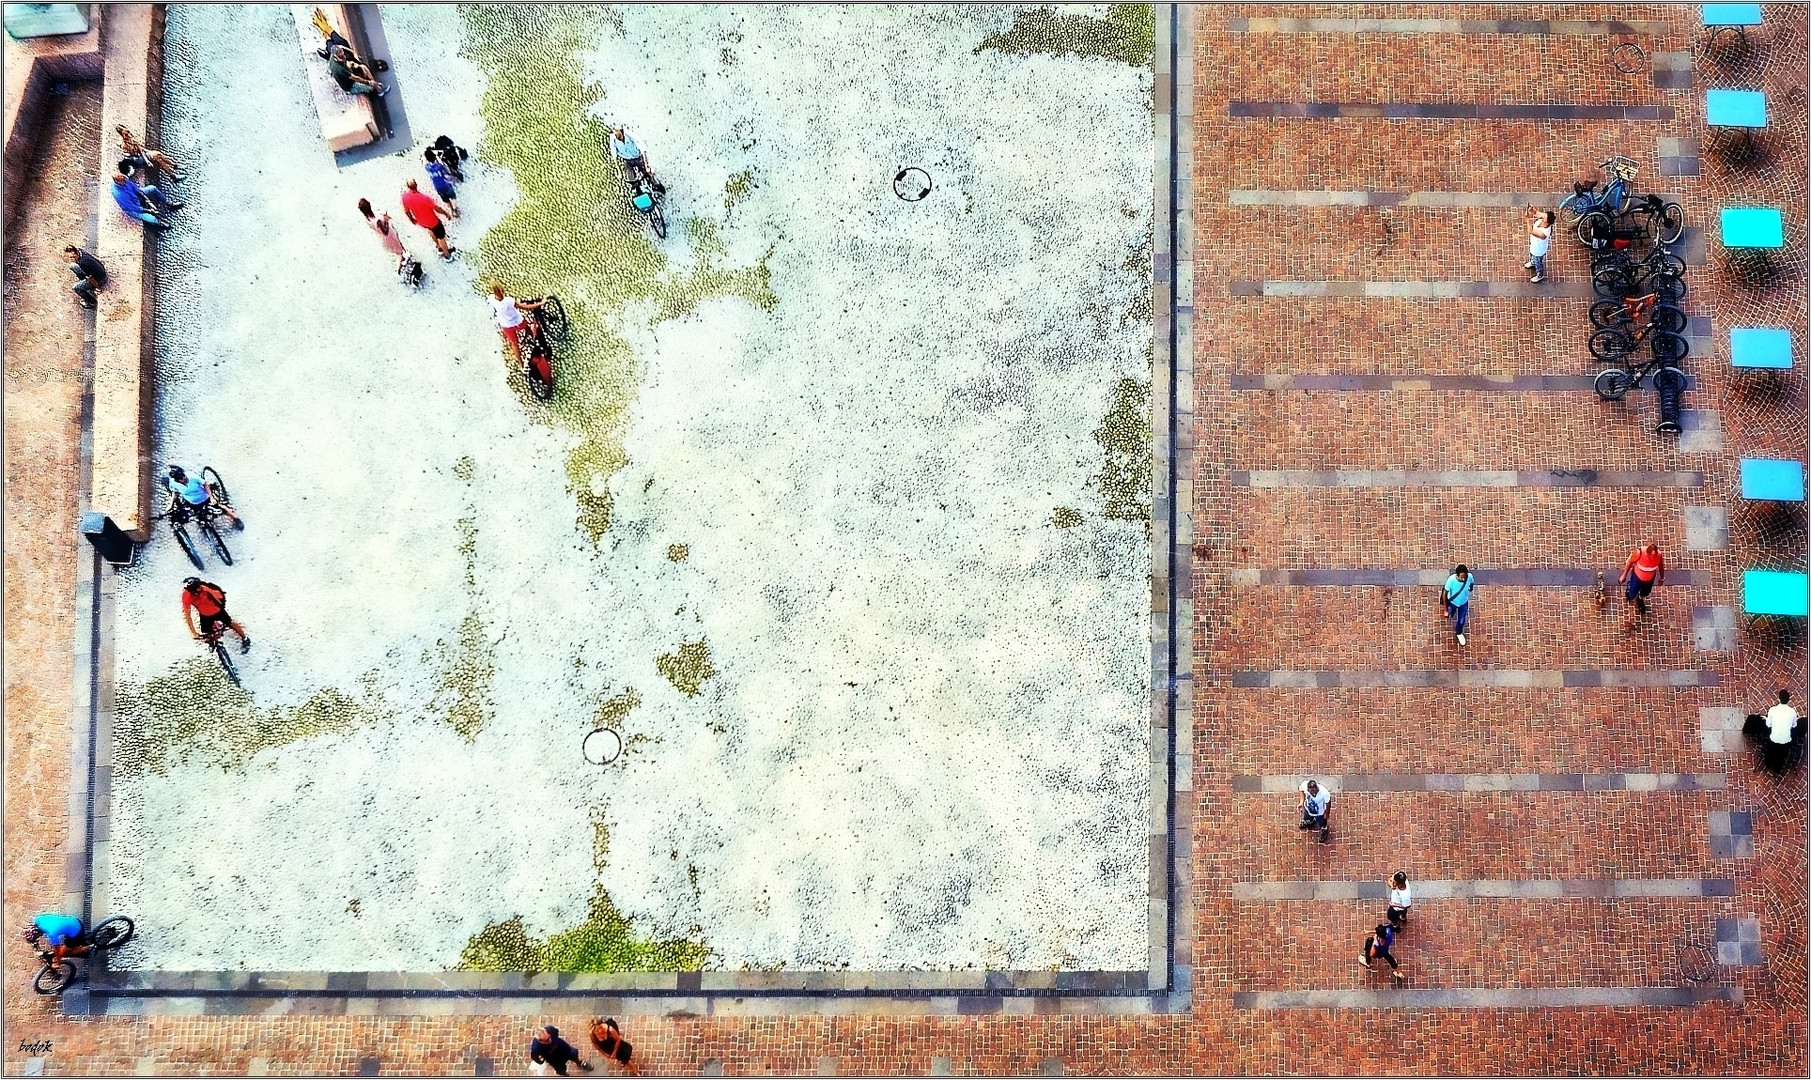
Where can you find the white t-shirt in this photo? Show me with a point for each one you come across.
(1317, 802)
(1780, 719)
(1537, 245)
(507, 315)
(624, 147)
(1399, 897)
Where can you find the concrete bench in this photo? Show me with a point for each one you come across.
(346, 119)
(1764, 347)
(1773, 480)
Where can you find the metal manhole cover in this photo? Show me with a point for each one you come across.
(603, 746)
(911, 183)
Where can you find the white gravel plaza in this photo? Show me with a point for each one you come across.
(920, 738)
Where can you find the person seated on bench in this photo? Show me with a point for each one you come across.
(1785, 734)
(352, 76)
(145, 157)
(143, 203)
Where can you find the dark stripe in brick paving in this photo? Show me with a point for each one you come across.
(1249, 784)
(1531, 27)
(1488, 889)
(1469, 677)
(1567, 997)
(1443, 110)
(1423, 290)
(1445, 200)
(1467, 383)
(1534, 577)
(1462, 478)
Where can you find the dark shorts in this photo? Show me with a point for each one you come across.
(448, 193)
(211, 623)
(438, 232)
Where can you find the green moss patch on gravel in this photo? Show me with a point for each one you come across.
(1128, 34)
(688, 668)
(1125, 441)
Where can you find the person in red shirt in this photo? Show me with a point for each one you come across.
(1644, 570)
(208, 600)
(425, 210)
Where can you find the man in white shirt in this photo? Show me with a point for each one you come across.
(1316, 802)
(1540, 234)
(1778, 750)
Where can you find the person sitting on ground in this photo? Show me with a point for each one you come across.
(146, 157)
(608, 1038)
(1783, 730)
(1316, 803)
(140, 202)
(90, 275)
(1377, 947)
(63, 932)
(442, 180)
(547, 1048)
(1400, 900)
(508, 311)
(208, 600)
(452, 155)
(195, 494)
(352, 76)
(635, 162)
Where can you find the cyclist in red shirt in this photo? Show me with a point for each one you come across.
(1644, 570)
(425, 210)
(208, 600)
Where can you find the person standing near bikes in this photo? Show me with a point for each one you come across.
(194, 494)
(1540, 237)
(508, 311)
(208, 600)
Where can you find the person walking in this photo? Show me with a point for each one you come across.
(90, 275)
(142, 202)
(386, 232)
(608, 1038)
(1317, 801)
(1455, 598)
(442, 181)
(547, 1048)
(1400, 900)
(1377, 947)
(425, 210)
(208, 600)
(1644, 570)
(1540, 237)
(146, 157)
(352, 76)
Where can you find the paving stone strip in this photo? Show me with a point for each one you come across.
(1471, 677)
(1532, 27)
(1527, 576)
(1569, 997)
(1428, 199)
(1489, 889)
(1443, 110)
(1522, 384)
(1461, 478)
(1423, 290)
(1616, 781)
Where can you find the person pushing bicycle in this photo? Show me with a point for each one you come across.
(64, 932)
(209, 601)
(192, 493)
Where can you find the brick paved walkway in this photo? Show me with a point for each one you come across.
(1606, 883)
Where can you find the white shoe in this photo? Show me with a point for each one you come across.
(1461, 639)
(1527, 266)
(1538, 278)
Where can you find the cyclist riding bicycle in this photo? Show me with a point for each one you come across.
(634, 161)
(193, 493)
(208, 600)
(64, 933)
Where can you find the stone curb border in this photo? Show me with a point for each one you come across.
(1162, 988)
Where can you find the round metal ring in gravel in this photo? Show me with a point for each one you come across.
(603, 746)
(911, 183)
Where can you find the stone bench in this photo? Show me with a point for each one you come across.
(346, 119)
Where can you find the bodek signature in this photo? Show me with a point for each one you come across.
(34, 1047)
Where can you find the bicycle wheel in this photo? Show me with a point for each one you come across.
(54, 979)
(1612, 283)
(1571, 208)
(659, 221)
(1667, 318)
(226, 660)
(1669, 224)
(1594, 229)
(112, 934)
(1669, 287)
(1669, 348)
(213, 535)
(216, 483)
(555, 315)
(188, 545)
(1606, 313)
(1611, 345)
(1665, 262)
(1612, 383)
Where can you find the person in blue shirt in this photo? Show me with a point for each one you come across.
(1456, 598)
(635, 162)
(64, 932)
(142, 202)
(443, 180)
(193, 492)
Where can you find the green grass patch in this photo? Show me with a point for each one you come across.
(688, 668)
(1125, 441)
(1128, 34)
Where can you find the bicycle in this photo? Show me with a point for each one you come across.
(1661, 221)
(1625, 313)
(1613, 383)
(182, 512)
(1612, 200)
(215, 640)
(1616, 276)
(1616, 343)
(647, 197)
(55, 977)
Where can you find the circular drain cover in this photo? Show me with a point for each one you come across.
(603, 746)
(912, 184)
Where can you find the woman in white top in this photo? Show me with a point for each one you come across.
(1398, 911)
(508, 311)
